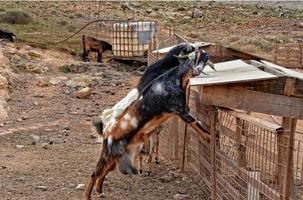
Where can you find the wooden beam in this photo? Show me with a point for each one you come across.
(253, 101)
(253, 120)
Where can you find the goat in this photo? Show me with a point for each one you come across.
(94, 45)
(148, 148)
(7, 35)
(159, 100)
(172, 59)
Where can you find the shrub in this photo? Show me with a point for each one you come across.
(63, 23)
(16, 17)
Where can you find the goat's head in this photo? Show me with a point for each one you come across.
(199, 59)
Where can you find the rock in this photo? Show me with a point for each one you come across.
(38, 94)
(148, 11)
(300, 24)
(84, 93)
(19, 146)
(166, 178)
(196, 13)
(42, 83)
(35, 137)
(193, 35)
(80, 186)
(187, 18)
(1, 125)
(41, 187)
(78, 68)
(180, 196)
(44, 146)
(181, 8)
(102, 195)
(183, 191)
(3, 83)
(81, 81)
(36, 68)
(3, 108)
(153, 14)
(54, 81)
(35, 103)
(125, 6)
(19, 120)
(24, 117)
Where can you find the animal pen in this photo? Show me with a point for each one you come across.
(250, 156)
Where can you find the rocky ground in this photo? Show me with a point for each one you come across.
(48, 149)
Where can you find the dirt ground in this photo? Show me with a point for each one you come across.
(48, 147)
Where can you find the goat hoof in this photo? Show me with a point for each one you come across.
(140, 171)
(102, 195)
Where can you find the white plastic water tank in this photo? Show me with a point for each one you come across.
(132, 39)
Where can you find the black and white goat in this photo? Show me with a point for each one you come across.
(7, 35)
(94, 45)
(160, 99)
(173, 58)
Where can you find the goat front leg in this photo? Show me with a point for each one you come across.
(195, 124)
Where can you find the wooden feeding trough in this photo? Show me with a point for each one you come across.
(132, 39)
(250, 156)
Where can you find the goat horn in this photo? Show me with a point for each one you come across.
(211, 65)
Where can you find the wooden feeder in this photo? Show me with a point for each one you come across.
(250, 156)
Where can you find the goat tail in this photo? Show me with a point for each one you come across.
(98, 126)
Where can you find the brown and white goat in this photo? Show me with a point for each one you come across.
(94, 45)
(148, 148)
(163, 98)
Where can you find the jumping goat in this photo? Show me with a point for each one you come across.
(160, 99)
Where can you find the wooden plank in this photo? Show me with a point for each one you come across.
(266, 68)
(288, 72)
(253, 120)
(231, 72)
(253, 101)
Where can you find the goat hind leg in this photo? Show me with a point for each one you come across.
(157, 149)
(99, 183)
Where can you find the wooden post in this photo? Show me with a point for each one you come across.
(285, 141)
(241, 129)
(289, 126)
(213, 131)
(185, 134)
